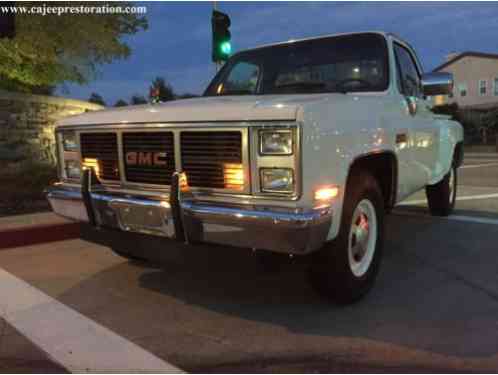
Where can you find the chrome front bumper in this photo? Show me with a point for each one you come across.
(258, 227)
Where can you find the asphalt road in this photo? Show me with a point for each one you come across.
(210, 309)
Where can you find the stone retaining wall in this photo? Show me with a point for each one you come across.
(27, 125)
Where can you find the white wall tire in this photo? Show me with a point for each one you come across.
(441, 197)
(362, 238)
(346, 269)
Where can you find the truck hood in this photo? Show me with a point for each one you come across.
(204, 109)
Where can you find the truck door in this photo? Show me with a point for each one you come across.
(422, 135)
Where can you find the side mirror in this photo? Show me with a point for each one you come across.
(440, 83)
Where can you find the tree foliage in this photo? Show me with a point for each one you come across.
(490, 119)
(447, 109)
(120, 103)
(187, 96)
(138, 99)
(164, 90)
(51, 49)
(97, 99)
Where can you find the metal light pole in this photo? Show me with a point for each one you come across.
(216, 63)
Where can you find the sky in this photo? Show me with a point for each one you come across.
(177, 44)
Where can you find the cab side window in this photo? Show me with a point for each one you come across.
(408, 77)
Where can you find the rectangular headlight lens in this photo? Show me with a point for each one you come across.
(277, 180)
(69, 141)
(276, 142)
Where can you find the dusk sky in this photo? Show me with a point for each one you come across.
(177, 44)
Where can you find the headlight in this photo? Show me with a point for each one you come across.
(72, 169)
(276, 142)
(277, 180)
(69, 162)
(69, 141)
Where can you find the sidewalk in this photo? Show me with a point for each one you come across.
(23, 230)
(481, 155)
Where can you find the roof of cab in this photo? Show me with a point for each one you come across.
(383, 33)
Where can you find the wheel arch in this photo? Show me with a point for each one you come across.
(458, 154)
(384, 167)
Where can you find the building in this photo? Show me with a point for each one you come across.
(475, 75)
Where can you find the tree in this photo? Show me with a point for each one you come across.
(51, 49)
(162, 90)
(187, 96)
(138, 99)
(120, 103)
(450, 109)
(97, 99)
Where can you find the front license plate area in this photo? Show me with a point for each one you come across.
(150, 219)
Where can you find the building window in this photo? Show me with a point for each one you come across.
(462, 89)
(496, 86)
(482, 87)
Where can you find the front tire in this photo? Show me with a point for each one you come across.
(346, 269)
(441, 196)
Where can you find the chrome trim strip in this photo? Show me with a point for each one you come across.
(280, 229)
(289, 219)
(55, 192)
(170, 125)
(121, 165)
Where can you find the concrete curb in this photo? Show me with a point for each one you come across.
(481, 155)
(38, 234)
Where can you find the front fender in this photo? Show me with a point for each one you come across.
(450, 136)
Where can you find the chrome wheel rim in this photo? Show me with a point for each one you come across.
(451, 184)
(362, 238)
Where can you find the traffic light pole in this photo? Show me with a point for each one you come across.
(216, 63)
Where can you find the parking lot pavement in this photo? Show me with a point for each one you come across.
(434, 308)
(19, 355)
(212, 309)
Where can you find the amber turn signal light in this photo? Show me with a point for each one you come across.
(326, 193)
(233, 176)
(88, 163)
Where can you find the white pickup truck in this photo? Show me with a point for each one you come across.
(299, 147)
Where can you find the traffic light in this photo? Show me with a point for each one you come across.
(7, 22)
(222, 46)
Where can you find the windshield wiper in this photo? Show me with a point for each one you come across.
(302, 84)
(236, 92)
(307, 87)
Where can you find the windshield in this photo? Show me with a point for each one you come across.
(348, 63)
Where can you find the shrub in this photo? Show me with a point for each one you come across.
(23, 184)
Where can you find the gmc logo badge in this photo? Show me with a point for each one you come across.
(146, 158)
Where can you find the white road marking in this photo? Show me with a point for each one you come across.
(470, 219)
(478, 165)
(69, 338)
(464, 198)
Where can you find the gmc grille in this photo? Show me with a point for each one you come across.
(104, 148)
(204, 154)
(211, 159)
(149, 157)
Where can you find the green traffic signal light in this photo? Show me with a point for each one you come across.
(226, 48)
(221, 48)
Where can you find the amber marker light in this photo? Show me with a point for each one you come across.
(233, 176)
(183, 182)
(91, 163)
(326, 193)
